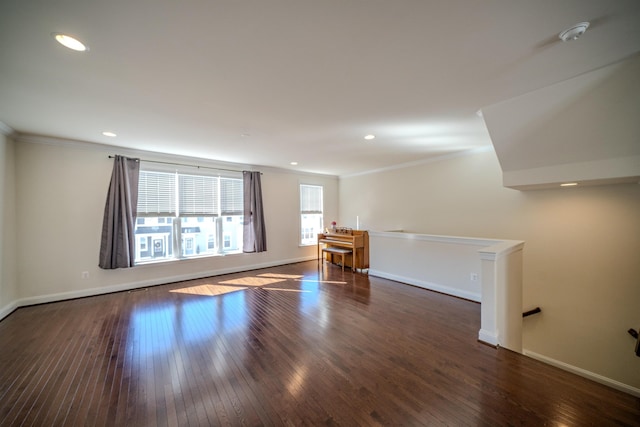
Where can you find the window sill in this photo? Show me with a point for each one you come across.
(191, 258)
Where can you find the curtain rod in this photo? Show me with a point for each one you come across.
(187, 165)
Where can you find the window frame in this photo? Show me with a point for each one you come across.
(308, 209)
(183, 225)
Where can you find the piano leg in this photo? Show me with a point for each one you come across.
(354, 257)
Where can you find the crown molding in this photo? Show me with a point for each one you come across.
(155, 155)
(423, 161)
(5, 129)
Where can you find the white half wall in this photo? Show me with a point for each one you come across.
(488, 271)
(439, 263)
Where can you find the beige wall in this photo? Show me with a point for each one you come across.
(61, 192)
(580, 259)
(8, 292)
(581, 256)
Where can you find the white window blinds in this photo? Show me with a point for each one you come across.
(310, 199)
(156, 194)
(172, 194)
(231, 198)
(198, 195)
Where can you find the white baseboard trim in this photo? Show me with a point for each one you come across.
(584, 373)
(427, 285)
(41, 299)
(488, 337)
(8, 309)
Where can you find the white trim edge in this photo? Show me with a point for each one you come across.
(488, 337)
(435, 238)
(584, 373)
(427, 285)
(8, 309)
(42, 299)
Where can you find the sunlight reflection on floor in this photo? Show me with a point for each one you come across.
(252, 281)
(243, 283)
(209, 290)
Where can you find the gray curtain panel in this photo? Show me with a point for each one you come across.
(254, 235)
(117, 247)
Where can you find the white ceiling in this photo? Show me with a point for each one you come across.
(306, 80)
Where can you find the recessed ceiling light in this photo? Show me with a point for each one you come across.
(574, 32)
(294, 163)
(109, 134)
(369, 136)
(70, 42)
(569, 184)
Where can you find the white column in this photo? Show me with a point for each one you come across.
(501, 309)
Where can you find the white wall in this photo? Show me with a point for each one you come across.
(581, 129)
(8, 292)
(581, 257)
(61, 191)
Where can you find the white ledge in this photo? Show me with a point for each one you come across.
(501, 249)
(401, 234)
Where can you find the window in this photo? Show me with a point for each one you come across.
(310, 213)
(181, 215)
(142, 243)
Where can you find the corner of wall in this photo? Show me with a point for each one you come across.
(8, 272)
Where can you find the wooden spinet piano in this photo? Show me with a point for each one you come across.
(357, 241)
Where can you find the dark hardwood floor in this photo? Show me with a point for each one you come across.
(290, 345)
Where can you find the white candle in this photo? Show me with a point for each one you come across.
(357, 223)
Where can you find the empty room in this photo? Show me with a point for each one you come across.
(319, 213)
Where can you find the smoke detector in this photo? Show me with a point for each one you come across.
(574, 32)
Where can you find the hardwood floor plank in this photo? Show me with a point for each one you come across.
(292, 345)
(46, 364)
